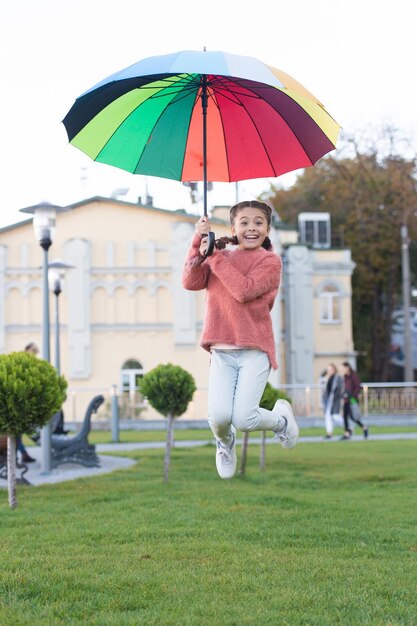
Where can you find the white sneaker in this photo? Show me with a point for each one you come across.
(288, 437)
(226, 460)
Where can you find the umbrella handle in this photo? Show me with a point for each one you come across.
(211, 238)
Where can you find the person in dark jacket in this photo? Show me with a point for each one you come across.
(352, 388)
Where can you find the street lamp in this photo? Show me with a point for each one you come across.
(44, 218)
(405, 266)
(56, 274)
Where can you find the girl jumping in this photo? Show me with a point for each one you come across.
(241, 286)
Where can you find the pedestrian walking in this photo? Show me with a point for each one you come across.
(351, 407)
(332, 399)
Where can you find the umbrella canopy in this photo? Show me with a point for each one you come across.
(193, 116)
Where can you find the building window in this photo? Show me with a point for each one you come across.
(315, 229)
(130, 373)
(131, 400)
(330, 305)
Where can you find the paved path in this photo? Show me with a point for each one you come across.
(71, 471)
(112, 447)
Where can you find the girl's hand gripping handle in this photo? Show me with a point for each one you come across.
(208, 237)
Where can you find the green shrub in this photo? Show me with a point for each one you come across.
(168, 388)
(270, 396)
(30, 392)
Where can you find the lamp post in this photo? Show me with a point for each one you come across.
(56, 274)
(44, 219)
(406, 286)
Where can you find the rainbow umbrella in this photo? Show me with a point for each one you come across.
(210, 116)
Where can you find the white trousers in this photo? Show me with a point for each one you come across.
(237, 381)
(331, 419)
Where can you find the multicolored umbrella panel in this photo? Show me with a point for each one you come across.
(210, 116)
(148, 119)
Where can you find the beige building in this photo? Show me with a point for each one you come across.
(123, 310)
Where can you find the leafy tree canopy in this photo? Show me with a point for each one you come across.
(168, 388)
(30, 392)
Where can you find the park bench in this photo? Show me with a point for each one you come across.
(21, 468)
(75, 448)
(57, 427)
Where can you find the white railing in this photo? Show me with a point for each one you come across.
(389, 398)
(376, 399)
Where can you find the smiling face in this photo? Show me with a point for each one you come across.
(250, 226)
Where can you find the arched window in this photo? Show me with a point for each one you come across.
(330, 304)
(130, 373)
(131, 400)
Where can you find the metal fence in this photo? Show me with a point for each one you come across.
(389, 398)
(375, 399)
(396, 399)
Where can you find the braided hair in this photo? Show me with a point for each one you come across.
(222, 242)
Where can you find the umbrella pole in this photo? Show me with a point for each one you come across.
(211, 235)
(204, 105)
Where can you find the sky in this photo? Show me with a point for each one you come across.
(357, 57)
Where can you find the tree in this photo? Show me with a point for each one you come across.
(169, 389)
(30, 393)
(269, 397)
(370, 192)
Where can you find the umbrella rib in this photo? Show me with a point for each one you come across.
(233, 96)
(287, 122)
(159, 117)
(225, 81)
(220, 84)
(189, 91)
(185, 93)
(171, 87)
(255, 126)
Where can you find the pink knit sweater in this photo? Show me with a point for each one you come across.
(241, 288)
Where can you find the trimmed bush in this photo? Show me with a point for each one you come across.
(30, 392)
(270, 396)
(168, 388)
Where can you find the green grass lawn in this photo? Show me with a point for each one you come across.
(325, 536)
(129, 436)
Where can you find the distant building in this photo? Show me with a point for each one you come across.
(123, 309)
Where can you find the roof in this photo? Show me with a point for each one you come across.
(4, 229)
(104, 200)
